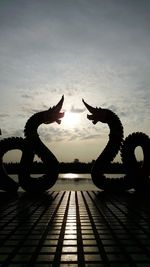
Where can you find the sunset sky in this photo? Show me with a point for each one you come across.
(98, 50)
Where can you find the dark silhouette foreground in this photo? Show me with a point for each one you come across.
(30, 146)
(137, 176)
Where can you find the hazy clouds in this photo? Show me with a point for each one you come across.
(97, 50)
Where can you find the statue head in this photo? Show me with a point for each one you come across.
(97, 114)
(53, 114)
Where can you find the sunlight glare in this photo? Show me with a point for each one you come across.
(71, 119)
(70, 175)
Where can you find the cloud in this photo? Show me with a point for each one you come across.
(77, 110)
(17, 133)
(3, 115)
(27, 96)
(91, 136)
(11, 132)
(93, 49)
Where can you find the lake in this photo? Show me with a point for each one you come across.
(73, 181)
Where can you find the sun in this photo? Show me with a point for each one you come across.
(71, 119)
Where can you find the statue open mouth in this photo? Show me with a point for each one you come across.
(53, 114)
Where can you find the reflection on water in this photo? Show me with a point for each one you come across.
(69, 175)
(73, 181)
(85, 175)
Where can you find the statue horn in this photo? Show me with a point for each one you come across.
(58, 107)
(90, 108)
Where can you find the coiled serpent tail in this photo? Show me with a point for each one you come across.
(136, 177)
(7, 144)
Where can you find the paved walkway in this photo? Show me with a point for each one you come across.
(82, 228)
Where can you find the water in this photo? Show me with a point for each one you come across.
(78, 181)
(73, 181)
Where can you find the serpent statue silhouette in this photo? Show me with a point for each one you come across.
(32, 145)
(137, 177)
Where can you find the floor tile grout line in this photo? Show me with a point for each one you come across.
(26, 207)
(130, 260)
(58, 253)
(6, 208)
(102, 208)
(133, 210)
(135, 221)
(42, 239)
(96, 234)
(12, 254)
(131, 233)
(22, 222)
(145, 250)
(81, 260)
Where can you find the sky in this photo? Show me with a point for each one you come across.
(98, 50)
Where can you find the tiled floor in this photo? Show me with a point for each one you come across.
(74, 229)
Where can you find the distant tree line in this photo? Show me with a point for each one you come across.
(75, 167)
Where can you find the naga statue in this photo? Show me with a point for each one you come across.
(30, 146)
(136, 177)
